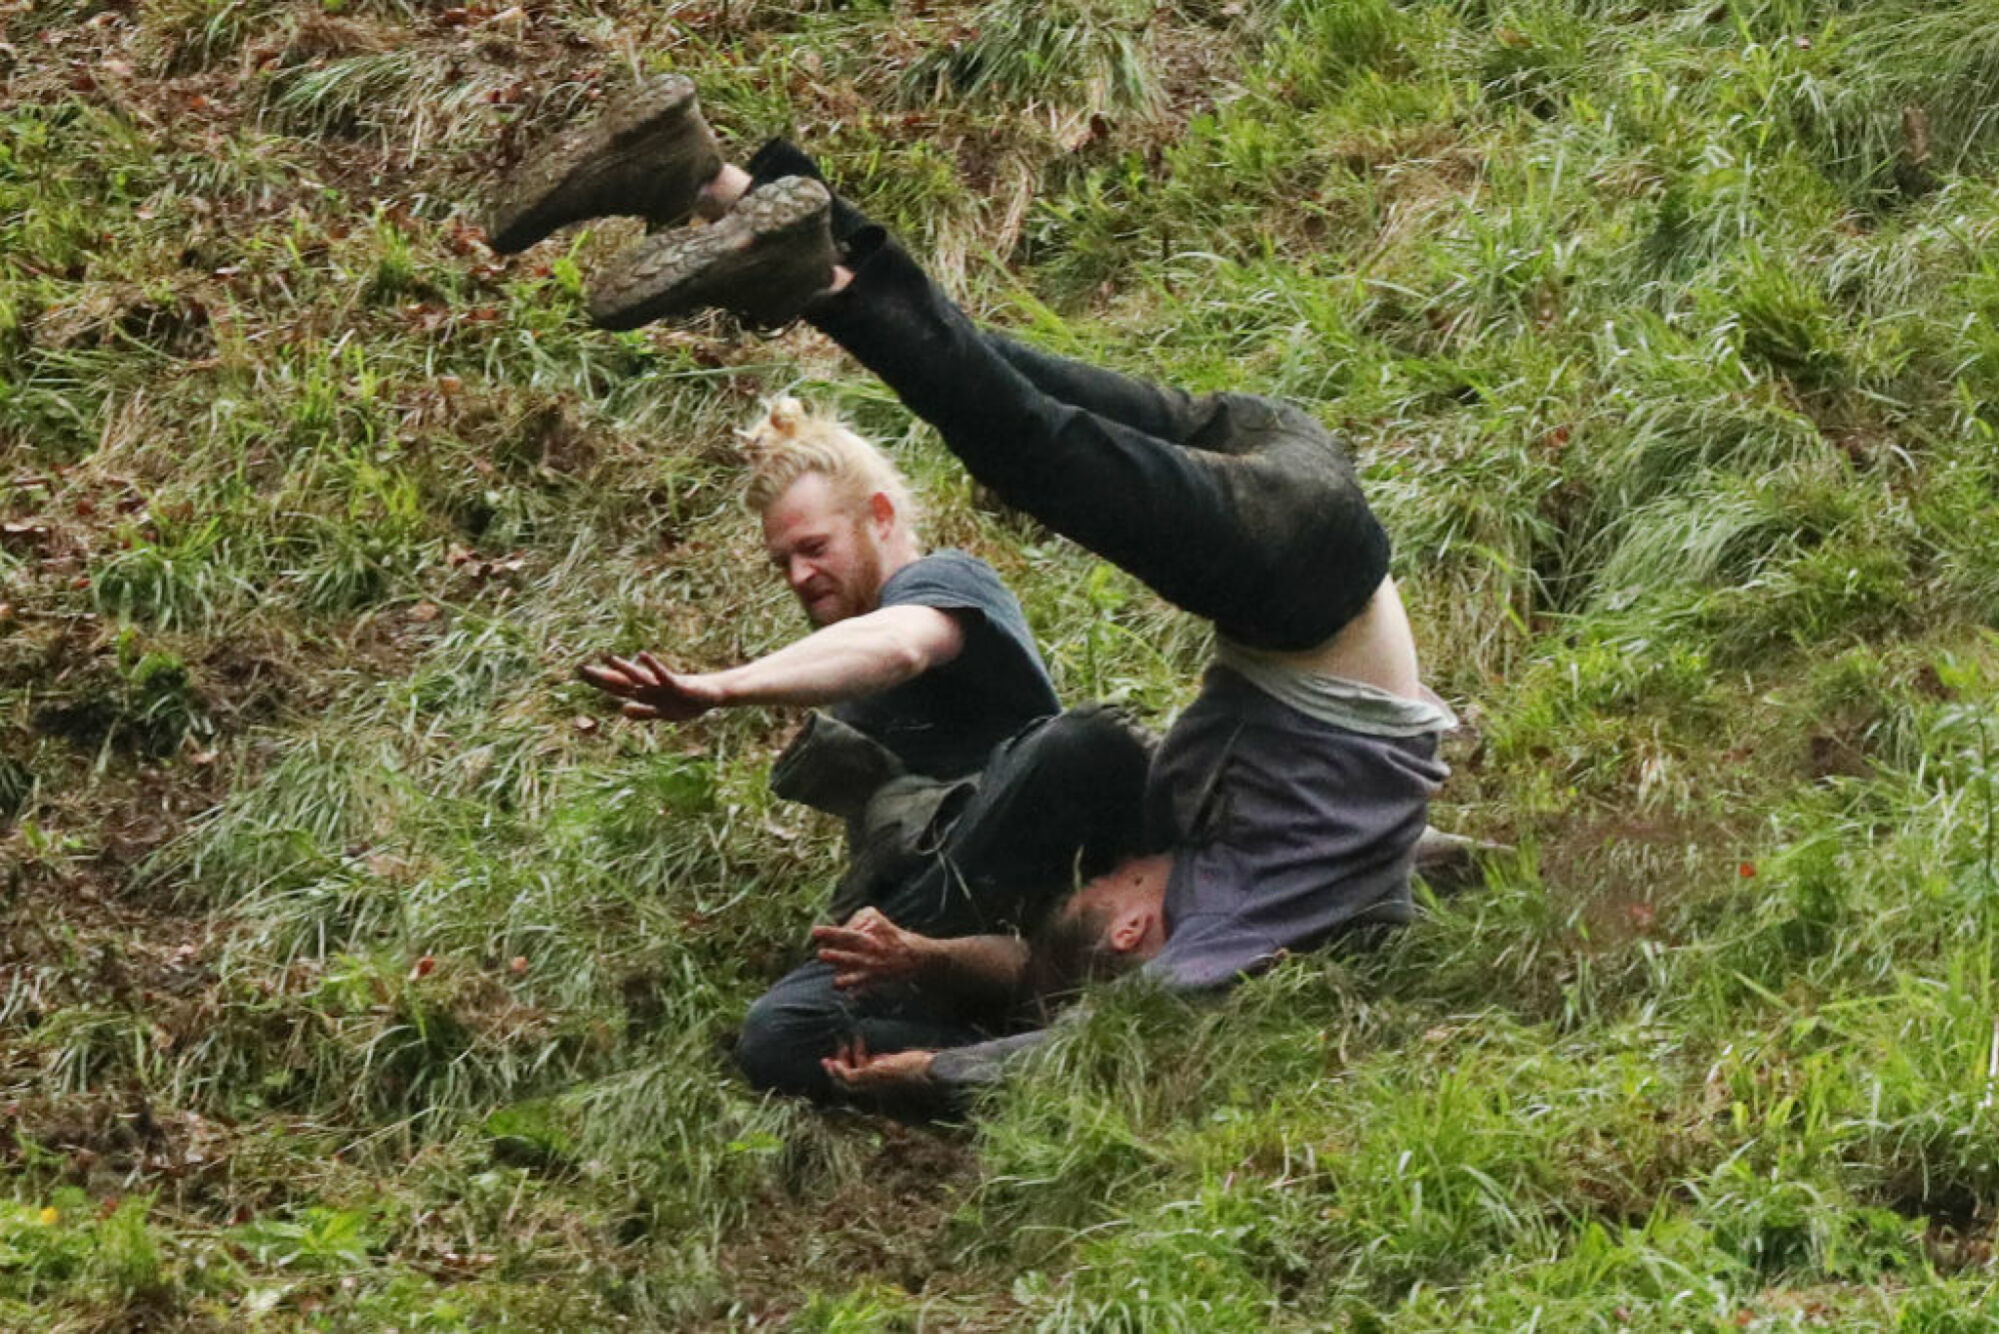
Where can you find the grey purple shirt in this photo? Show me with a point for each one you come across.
(1285, 828)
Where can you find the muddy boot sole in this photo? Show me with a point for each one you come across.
(763, 263)
(648, 156)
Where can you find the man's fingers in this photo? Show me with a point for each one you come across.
(603, 677)
(634, 709)
(840, 958)
(654, 665)
(865, 925)
(846, 1075)
(639, 675)
(851, 970)
(873, 921)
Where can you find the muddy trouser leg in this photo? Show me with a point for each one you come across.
(1160, 410)
(804, 1018)
(1061, 799)
(1236, 508)
(1171, 414)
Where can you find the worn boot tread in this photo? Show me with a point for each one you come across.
(648, 155)
(763, 263)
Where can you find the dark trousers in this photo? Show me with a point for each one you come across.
(1062, 800)
(1240, 509)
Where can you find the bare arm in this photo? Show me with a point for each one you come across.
(870, 950)
(857, 656)
(981, 967)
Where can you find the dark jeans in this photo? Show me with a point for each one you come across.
(1063, 799)
(1240, 509)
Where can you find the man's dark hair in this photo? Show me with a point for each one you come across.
(1069, 952)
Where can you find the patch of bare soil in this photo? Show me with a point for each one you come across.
(889, 1223)
(1625, 872)
(98, 985)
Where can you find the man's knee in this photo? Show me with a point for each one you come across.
(783, 1038)
(1250, 424)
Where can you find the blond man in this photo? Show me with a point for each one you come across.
(972, 804)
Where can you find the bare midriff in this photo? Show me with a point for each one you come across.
(1376, 648)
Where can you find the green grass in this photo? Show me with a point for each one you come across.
(347, 980)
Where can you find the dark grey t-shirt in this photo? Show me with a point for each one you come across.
(945, 723)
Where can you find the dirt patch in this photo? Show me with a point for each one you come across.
(1625, 872)
(889, 1224)
(115, 315)
(97, 985)
(1837, 752)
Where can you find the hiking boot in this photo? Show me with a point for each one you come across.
(763, 263)
(649, 154)
(779, 158)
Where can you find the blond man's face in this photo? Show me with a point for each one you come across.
(829, 554)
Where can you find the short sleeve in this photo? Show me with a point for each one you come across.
(944, 723)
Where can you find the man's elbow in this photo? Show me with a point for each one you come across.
(907, 658)
(921, 644)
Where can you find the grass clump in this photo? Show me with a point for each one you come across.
(1086, 57)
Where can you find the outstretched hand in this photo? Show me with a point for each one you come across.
(650, 690)
(853, 1070)
(870, 950)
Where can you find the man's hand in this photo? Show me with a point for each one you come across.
(853, 1070)
(871, 951)
(650, 690)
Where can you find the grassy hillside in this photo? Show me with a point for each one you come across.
(357, 971)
